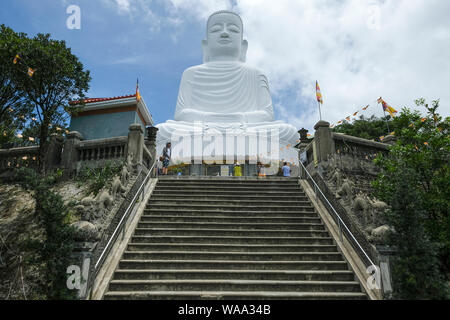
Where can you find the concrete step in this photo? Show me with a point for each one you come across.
(224, 225)
(237, 219)
(228, 232)
(206, 274)
(247, 182)
(234, 240)
(234, 285)
(225, 206)
(237, 197)
(228, 192)
(232, 256)
(238, 264)
(157, 201)
(215, 247)
(220, 212)
(232, 295)
(243, 188)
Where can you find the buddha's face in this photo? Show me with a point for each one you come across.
(224, 37)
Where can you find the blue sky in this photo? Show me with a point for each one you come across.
(359, 50)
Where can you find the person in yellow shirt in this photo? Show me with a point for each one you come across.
(237, 170)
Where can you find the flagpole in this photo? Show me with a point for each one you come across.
(320, 112)
(387, 123)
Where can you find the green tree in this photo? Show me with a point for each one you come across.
(59, 78)
(415, 181)
(13, 111)
(367, 128)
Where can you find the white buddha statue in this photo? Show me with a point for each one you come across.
(224, 93)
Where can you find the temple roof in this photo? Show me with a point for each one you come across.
(91, 100)
(116, 102)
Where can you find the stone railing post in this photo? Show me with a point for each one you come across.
(135, 142)
(324, 140)
(54, 151)
(150, 142)
(390, 139)
(69, 156)
(304, 141)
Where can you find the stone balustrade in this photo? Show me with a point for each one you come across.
(102, 149)
(74, 153)
(18, 157)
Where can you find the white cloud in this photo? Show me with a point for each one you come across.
(124, 5)
(358, 50)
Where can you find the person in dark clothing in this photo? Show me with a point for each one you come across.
(166, 154)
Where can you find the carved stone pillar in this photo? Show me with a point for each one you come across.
(135, 142)
(69, 155)
(390, 139)
(54, 151)
(150, 142)
(324, 140)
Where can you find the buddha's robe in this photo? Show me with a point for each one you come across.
(224, 92)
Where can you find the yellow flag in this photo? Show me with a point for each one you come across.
(138, 96)
(31, 72)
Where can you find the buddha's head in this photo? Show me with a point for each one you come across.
(224, 38)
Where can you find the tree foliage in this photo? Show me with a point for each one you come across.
(12, 107)
(59, 78)
(415, 181)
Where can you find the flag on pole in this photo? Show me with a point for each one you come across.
(17, 57)
(31, 72)
(318, 94)
(387, 107)
(138, 96)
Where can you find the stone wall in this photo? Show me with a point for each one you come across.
(344, 169)
(74, 153)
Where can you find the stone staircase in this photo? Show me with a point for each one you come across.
(232, 238)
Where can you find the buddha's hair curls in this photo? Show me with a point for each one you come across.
(225, 11)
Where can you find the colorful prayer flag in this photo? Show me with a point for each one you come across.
(387, 107)
(365, 108)
(138, 96)
(17, 57)
(318, 94)
(31, 72)
(381, 138)
(348, 118)
(355, 113)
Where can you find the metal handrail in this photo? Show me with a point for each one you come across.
(120, 225)
(340, 221)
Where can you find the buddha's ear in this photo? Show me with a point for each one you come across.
(205, 51)
(244, 50)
